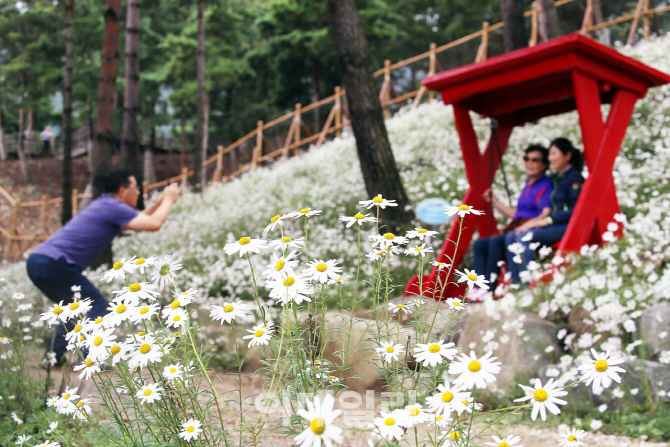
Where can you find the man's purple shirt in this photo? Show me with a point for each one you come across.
(82, 239)
(534, 198)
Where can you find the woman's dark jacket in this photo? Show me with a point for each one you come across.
(567, 187)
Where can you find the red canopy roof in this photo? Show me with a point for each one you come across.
(535, 82)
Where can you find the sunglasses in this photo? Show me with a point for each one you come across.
(533, 159)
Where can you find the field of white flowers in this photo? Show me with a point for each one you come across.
(163, 392)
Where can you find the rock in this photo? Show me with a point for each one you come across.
(580, 322)
(518, 339)
(654, 322)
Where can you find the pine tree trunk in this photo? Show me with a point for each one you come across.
(66, 192)
(130, 153)
(103, 144)
(603, 34)
(200, 153)
(21, 141)
(3, 153)
(183, 137)
(378, 166)
(548, 20)
(149, 167)
(515, 35)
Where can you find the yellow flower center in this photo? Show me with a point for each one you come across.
(144, 310)
(134, 287)
(465, 402)
(421, 230)
(503, 444)
(145, 348)
(463, 207)
(80, 404)
(601, 366)
(472, 277)
(173, 370)
(418, 249)
(275, 218)
(289, 281)
(304, 211)
(117, 265)
(116, 349)
(378, 199)
(331, 377)
(58, 310)
(66, 396)
(389, 236)
(572, 438)
(89, 363)
(389, 421)
(447, 396)
(141, 333)
(400, 305)
(359, 216)
(318, 426)
(82, 338)
(77, 328)
(258, 333)
(98, 320)
(140, 261)
(434, 348)
(147, 392)
(457, 303)
(390, 349)
(286, 239)
(540, 395)
(97, 341)
(474, 366)
(175, 304)
(176, 318)
(244, 241)
(74, 306)
(190, 429)
(414, 411)
(438, 418)
(280, 265)
(321, 267)
(121, 309)
(455, 435)
(228, 308)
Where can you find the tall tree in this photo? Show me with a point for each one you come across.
(515, 35)
(548, 21)
(380, 171)
(103, 144)
(202, 104)
(66, 213)
(130, 158)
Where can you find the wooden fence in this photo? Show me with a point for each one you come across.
(258, 149)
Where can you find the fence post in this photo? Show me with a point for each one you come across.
(533, 25)
(482, 52)
(431, 68)
(43, 215)
(75, 203)
(386, 87)
(645, 20)
(338, 111)
(587, 23)
(636, 20)
(145, 190)
(255, 155)
(218, 172)
(184, 179)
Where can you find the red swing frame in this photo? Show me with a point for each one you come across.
(572, 72)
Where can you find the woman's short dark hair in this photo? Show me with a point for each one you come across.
(542, 150)
(113, 180)
(566, 147)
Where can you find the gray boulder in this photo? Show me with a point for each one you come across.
(654, 322)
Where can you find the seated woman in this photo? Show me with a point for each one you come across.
(567, 162)
(533, 202)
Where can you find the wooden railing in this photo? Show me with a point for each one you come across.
(257, 143)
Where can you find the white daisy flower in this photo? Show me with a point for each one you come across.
(120, 269)
(375, 255)
(191, 430)
(275, 221)
(281, 266)
(82, 409)
(320, 415)
(118, 313)
(473, 279)
(88, 368)
(176, 318)
(420, 233)
(52, 426)
(164, 272)
(474, 372)
(78, 307)
(387, 426)
(306, 212)
(447, 399)
(377, 201)
(120, 351)
(143, 264)
(419, 250)
(406, 308)
(137, 291)
(229, 311)
(339, 280)
(290, 288)
(142, 313)
(510, 441)
(390, 351)
(18, 296)
(441, 265)
(47, 444)
(286, 242)
(455, 303)
(388, 239)
(172, 372)
(99, 342)
(55, 315)
(245, 245)
(543, 398)
(602, 369)
(571, 438)
(145, 351)
(260, 334)
(4, 340)
(322, 271)
(16, 419)
(22, 439)
(415, 414)
(461, 210)
(149, 394)
(432, 354)
(358, 218)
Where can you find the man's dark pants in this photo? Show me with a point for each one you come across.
(55, 279)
